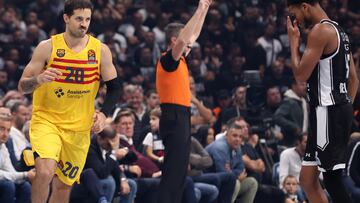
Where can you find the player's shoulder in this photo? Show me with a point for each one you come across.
(105, 50)
(44, 47)
(45, 43)
(322, 30)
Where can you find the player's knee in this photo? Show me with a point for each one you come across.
(45, 175)
(45, 172)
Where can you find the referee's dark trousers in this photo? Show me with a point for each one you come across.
(175, 133)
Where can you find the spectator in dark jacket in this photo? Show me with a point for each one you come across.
(102, 159)
(292, 114)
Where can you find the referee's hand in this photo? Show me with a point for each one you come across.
(99, 122)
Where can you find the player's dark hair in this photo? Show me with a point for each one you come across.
(298, 2)
(71, 5)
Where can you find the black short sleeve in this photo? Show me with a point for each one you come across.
(168, 62)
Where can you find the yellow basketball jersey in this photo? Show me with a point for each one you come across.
(68, 102)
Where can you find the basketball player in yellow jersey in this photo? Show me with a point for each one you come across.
(64, 75)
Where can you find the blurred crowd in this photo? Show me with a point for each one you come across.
(240, 73)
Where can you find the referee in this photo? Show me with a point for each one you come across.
(173, 86)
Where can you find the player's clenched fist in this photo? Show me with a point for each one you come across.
(50, 74)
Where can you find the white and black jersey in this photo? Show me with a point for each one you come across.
(327, 84)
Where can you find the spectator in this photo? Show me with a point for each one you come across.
(21, 114)
(13, 185)
(239, 106)
(154, 147)
(291, 161)
(290, 187)
(271, 46)
(102, 158)
(255, 166)
(227, 156)
(205, 135)
(210, 184)
(200, 114)
(292, 115)
(352, 176)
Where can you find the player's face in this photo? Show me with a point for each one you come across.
(4, 131)
(78, 23)
(300, 13)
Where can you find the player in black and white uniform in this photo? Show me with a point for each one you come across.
(327, 66)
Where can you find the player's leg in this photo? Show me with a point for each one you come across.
(309, 180)
(75, 146)
(333, 156)
(309, 174)
(60, 191)
(46, 145)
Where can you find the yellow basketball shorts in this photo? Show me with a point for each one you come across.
(68, 148)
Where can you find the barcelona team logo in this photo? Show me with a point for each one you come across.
(91, 55)
(60, 52)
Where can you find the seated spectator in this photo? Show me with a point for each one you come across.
(239, 107)
(291, 159)
(255, 166)
(352, 176)
(102, 158)
(143, 168)
(290, 187)
(292, 114)
(153, 145)
(205, 135)
(211, 184)
(200, 114)
(13, 185)
(227, 156)
(18, 141)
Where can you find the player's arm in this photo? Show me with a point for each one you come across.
(109, 75)
(34, 74)
(316, 42)
(353, 82)
(192, 30)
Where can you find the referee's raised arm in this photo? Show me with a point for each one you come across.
(173, 87)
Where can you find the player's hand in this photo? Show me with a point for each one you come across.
(293, 32)
(99, 122)
(50, 74)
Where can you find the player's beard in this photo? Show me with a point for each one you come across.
(78, 33)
